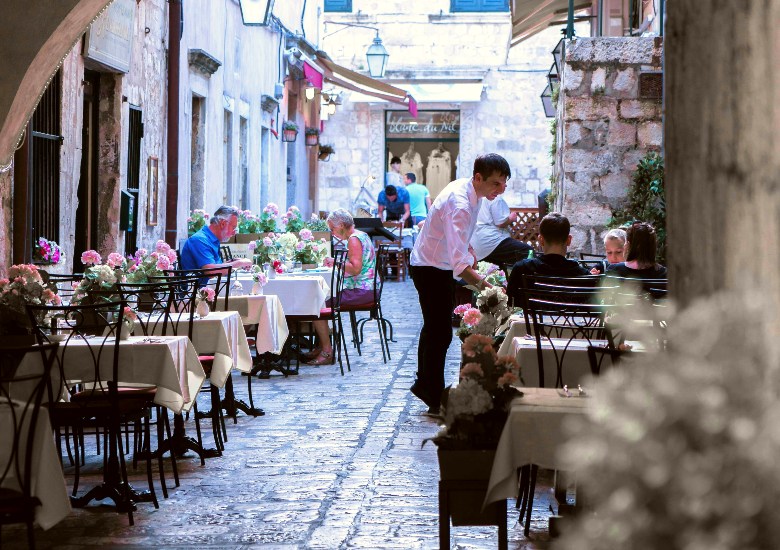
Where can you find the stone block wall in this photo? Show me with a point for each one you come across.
(604, 129)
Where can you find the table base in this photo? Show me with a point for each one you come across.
(114, 491)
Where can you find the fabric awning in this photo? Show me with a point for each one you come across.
(438, 92)
(351, 80)
(533, 16)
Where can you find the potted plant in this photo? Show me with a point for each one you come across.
(325, 152)
(309, 251)
(289, 131)
(312, 136)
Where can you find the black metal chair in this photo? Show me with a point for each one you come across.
(225, 254)
(19, 412)
(598, 354)
(90, 337)
(374, 310)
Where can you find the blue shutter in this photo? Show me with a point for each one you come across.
(338, 5)
(479, 5)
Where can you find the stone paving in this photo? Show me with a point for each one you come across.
(335, 463)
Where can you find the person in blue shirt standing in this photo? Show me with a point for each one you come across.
(201, 251)
(419, 198)
(396, 202)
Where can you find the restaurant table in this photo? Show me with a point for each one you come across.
(47, 481)
(299, 295)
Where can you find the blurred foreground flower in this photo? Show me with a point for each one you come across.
(680, 449)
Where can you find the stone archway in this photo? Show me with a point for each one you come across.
(37, 34)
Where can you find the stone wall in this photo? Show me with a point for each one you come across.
(427, 43)
(606, 129)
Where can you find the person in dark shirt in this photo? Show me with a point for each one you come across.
(555, 239)
(640, 261)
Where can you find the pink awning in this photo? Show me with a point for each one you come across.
(313, 76)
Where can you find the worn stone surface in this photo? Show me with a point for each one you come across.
(336, 462)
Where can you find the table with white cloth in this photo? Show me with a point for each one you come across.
(267, 313)
(299, 294)
(47, 481)
(408, 236)
(168, 362)
(532, 435)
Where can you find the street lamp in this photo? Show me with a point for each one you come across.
(553, 79)
(377, 56)
(558, 55)
(547, 103)
(256, 12)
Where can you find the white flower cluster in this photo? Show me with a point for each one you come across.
(105, 274)
(467, 398)
(680, 449)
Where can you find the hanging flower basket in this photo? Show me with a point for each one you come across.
(325, 152)
(289, 135)
(312, 139)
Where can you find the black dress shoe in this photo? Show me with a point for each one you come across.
(434, 411)
(420, 394)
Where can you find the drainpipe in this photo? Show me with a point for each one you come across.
(172, 187)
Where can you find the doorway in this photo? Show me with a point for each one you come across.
(136, 132)
(87, 210)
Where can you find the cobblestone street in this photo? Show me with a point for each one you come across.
(336, 462)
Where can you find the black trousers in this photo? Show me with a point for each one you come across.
(508, 252)
(436, 290)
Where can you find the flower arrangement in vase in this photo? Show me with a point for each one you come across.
(46, 252)
(259, 279)
(266, 249)
(196, 221)
(488, 317)
(24, 285)
(476, 409)
(308, 251)
(143, 264)
(98, 275)
(204, 297)
(129, 317)
(492, 274)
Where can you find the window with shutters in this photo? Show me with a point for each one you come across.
(338, 5)
(478, 5)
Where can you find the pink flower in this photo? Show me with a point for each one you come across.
(207, 294)
(48, 295)
(140, 253)
(163, 263)
(252, 245)
(472, 316)
(267, 241)
(4, 281)
(461, 309)
(293, 208)
(56, 300)
(306, 234)
(471, 368)
(300, 245)
(477, 343)
(130, 314)
(162, 247)
(507, 379)
(91, 257)
(172, 256)
(115, 259)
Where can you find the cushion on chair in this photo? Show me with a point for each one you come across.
(359, 307)
(326, 312)
(208, 362)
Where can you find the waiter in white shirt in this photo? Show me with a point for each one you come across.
(442, 254)
(492, 241)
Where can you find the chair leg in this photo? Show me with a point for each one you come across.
(173, 455)
(160, 457)
(382, 342)
(148, 448)
(30, 534)
(353, 324)
(344, 341)
(115, 438)
(530, 499)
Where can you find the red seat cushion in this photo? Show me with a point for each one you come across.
(358, 307)
(326, 312)
(208, 362)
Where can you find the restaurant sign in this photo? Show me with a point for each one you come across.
(427, 125)
(109, 39)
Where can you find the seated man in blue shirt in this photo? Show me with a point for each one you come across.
(396, 202)
(201, 251)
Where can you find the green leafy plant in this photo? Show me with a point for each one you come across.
(289, 125)
(312, 131)
(646, 200)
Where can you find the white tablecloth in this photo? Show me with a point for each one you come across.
(267, 313)
(532, 435)
(222, 333)
(168, 362)
(47, 481)
(575, 362)
(299, 295)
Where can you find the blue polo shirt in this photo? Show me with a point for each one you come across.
(200, 249)
(395, 207)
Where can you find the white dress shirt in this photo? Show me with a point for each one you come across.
(444, 239)
(488, 235)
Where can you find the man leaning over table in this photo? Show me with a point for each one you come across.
(442, 254)
(201, 251)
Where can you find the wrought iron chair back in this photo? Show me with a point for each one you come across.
(214, 278)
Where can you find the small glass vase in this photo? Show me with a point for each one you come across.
(202, 309)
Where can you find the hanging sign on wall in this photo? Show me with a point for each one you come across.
(427, 125)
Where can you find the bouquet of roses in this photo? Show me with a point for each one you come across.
(309, 251)
(196, 220)
(293, 219)
(267, 221)
(143, 264)
(205, 294)
(99, 276)
(266, 249)
(492, 274)
(24, 285)
(315, 223)
(476, 409)
(47, 252)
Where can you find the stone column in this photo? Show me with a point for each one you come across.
(722, 147)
